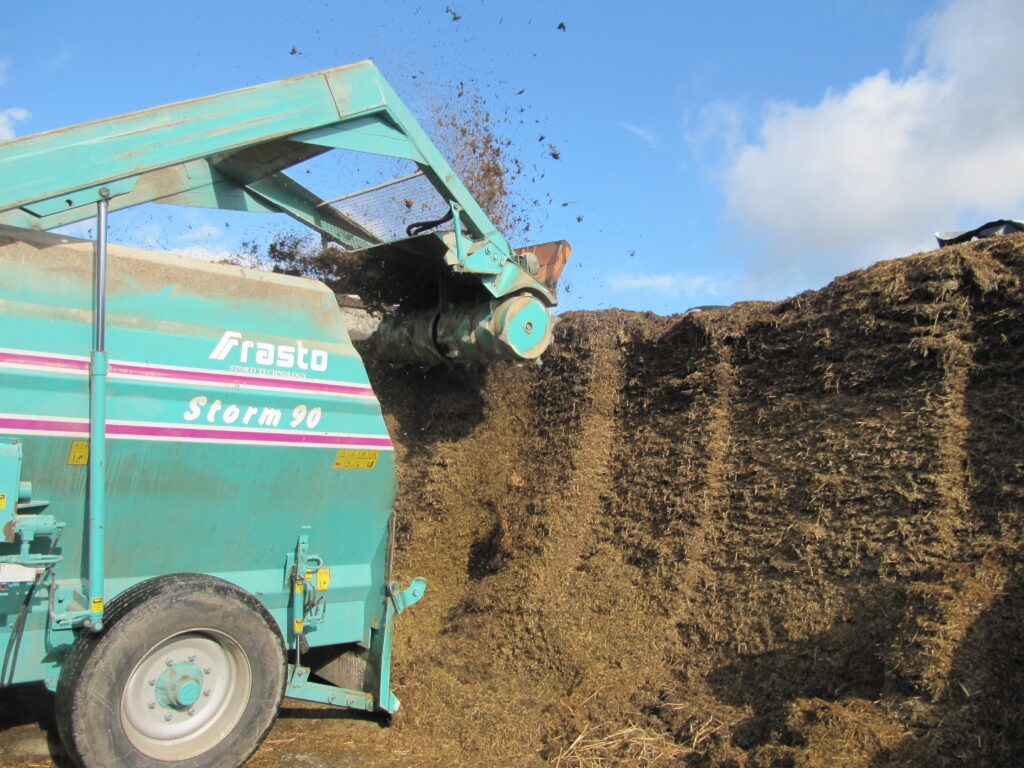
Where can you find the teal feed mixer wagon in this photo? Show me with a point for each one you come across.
(196, 480)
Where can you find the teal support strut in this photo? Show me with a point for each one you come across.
(398, 600)
(98, 420)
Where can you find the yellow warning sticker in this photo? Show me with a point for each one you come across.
(299, 586)
(3, 501)
(351, 459)
(323, 579)
(79, 454)
(309, 574)
(298, 625)
(97, 605)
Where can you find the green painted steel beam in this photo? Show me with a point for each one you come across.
(372, 133)
(84, 197)
(222, 193)
(48, 164)
(242, 133)
(195, 183)
(288, 196)
(159, 185)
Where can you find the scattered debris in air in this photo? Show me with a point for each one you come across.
(294, 51)
(452, 12)
(561, 25)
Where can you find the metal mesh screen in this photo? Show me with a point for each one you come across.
(387, 210)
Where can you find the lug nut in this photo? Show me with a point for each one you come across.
(167, 717)
(191, 657)
(170, 663)
(206, 692)
(208, 670)
(192, 711)
(152, 682)
(152, 705)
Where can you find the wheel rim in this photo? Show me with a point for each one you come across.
(186, 694)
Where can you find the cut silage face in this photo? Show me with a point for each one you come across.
(807, 515)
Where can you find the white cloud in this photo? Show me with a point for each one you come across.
(648, 137)
(667, 284)
(8, 117)
(205, 254)
(870, 172)
(719, 125)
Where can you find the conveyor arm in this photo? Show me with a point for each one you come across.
(231, 151)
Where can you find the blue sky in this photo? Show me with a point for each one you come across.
(715, 151)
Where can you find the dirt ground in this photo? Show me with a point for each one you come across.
(765, 536)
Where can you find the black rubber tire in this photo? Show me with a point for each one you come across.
(98, 668)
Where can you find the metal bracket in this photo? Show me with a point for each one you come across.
(304, 572)
(484, 258)
(24, 523)
(27, 528)
(76, 199)
(300, 687)
(68, 610)
(402, 599)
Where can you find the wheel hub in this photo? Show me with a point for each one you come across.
(185, 694)
(180, 686)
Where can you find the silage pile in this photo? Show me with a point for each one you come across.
(772, 535)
